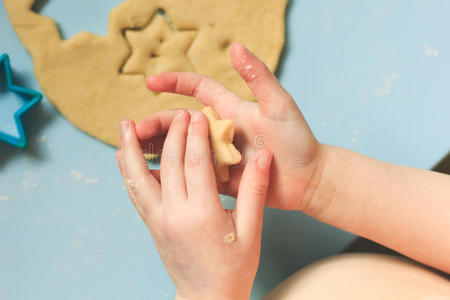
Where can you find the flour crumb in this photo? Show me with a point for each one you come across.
(77, 175)
(229, 238)
(5, 198)
(357, 41)
(428, 50)
(114, 213)
(26, 184)
(388, 82)
(131, 184)
(91, 180)
(42, 139)
(354, 140)
(356, 132)
(384, 93)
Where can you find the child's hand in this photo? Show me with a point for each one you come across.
(210, 253)
(275, 123)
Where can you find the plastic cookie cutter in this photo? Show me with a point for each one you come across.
(29, 97)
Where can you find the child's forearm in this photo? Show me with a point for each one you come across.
(403, 208)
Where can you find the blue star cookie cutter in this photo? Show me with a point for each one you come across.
(29, 97)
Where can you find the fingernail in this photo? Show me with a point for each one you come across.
(179, 115)
(195, 117)
(245, 48)
(124, 127)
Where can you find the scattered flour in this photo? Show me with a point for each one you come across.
(388, 82)
(114, 213)
(428, 50)
(28, 184)
(131, 183)
(91, 180)
(5, 198)
(78, 176)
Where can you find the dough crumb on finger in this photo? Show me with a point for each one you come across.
(229, 238)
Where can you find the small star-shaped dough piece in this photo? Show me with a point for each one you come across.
(221, 134)
(158, 48)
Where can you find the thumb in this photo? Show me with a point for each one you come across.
(272, 98)
(251, 198)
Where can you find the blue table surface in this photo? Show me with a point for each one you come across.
(371, 76)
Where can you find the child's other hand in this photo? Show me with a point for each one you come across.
(274, 123)
(210, 253)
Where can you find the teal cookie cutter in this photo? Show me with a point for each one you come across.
(30, 98)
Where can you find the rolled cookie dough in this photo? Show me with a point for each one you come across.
(95, 81)
(221, 133)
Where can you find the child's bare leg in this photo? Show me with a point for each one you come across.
(362, 276)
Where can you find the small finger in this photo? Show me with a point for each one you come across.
(206, 90)
(155, 125)
(142, 184)
(172, 159)
(200, 177)
(119, 158)
(252, 195)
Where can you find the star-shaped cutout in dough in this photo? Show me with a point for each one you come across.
(221, 133)
(30, 98)
(158, 48)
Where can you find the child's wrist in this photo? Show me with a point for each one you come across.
(322, 186)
